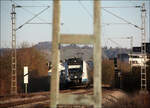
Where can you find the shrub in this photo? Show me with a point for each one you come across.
(134, 101)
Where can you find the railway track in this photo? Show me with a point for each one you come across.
(42, 99)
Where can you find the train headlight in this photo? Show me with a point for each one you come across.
(75, 76)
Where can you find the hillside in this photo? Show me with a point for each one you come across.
(73, 50)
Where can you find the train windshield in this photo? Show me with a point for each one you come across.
(74, 61)
(74, 66)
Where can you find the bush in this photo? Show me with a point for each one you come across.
(135, 101)
(107, 71)
(25, 57)
(131, 81)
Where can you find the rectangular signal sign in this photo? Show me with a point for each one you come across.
(25, 74)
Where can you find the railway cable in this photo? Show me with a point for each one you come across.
(123, 19)
(43, 21)
(114, 42)
(82, 5)
(117, 16)
(32, 18)
(22, 7)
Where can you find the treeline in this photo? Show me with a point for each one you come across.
(130, 80)
(38, 72)
(30, 57)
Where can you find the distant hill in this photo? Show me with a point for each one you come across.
(43, 46)
(67, 51)
(86, 52)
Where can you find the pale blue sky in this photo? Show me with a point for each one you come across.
(76, 20)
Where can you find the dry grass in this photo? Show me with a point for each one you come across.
(136, 101)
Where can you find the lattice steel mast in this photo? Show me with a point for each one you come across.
(143, 49)
(13, 53)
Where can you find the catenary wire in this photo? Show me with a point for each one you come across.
(22, 7)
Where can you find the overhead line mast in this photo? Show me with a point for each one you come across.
(13, 45)
(143, 50)
(13, 53)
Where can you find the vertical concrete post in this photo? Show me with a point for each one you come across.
(55, 54)
(95, 100)
(97, 55)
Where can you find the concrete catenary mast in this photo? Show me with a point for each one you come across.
(95, 39)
